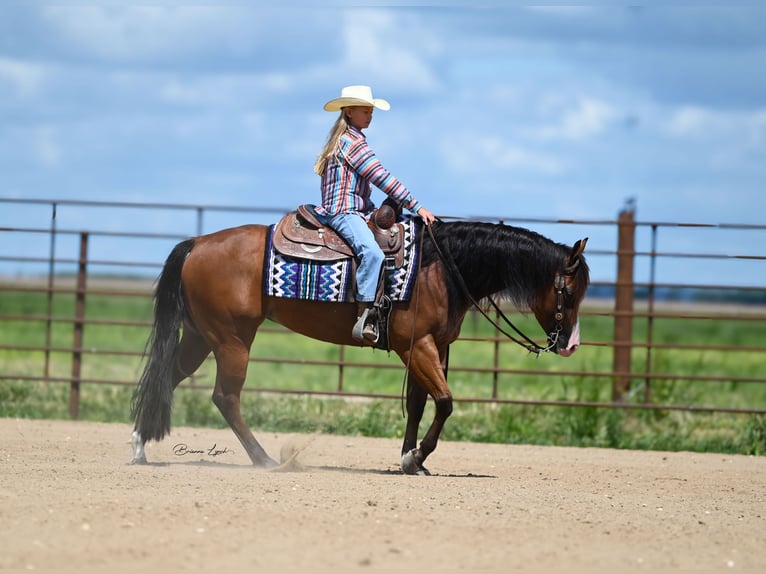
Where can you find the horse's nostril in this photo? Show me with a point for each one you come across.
(568, 351)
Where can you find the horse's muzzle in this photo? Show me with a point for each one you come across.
(573, 342)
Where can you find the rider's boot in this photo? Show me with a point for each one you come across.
(366, 327)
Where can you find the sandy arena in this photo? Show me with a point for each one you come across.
(70, 500)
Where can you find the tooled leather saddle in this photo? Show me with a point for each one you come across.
(300, 234)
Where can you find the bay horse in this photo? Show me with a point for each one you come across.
(212, 287)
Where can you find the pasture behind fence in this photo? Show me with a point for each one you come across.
(91, 260)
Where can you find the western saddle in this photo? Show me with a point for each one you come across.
(301, 235)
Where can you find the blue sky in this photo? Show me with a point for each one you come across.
(560, 112)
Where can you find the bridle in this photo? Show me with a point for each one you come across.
(559, 284)
(527, 343)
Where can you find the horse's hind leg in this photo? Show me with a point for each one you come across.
(192, 351)
(232, 367)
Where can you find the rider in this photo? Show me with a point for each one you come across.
(348, 166)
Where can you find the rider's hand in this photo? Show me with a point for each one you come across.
(426, 215)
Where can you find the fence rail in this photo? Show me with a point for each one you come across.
(78, 265)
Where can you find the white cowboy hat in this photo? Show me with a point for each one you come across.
(356, 96)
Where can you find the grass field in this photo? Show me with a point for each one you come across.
(505, 423)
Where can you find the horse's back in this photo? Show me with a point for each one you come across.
(248, 232)
(232, 243)
(223, 274)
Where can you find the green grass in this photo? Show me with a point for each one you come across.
(500, 423)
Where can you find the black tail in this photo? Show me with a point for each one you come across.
(153, 398)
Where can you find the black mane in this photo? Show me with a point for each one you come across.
(514, 263)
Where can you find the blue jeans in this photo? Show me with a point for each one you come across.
(353, 228)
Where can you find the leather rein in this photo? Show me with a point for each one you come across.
(527, 343)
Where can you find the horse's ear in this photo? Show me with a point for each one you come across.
(579, 247)
(574, 255)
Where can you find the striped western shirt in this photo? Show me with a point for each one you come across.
(348, 174)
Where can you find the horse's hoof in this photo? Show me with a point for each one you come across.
(266, 463)
(411, 466)
(139, 452)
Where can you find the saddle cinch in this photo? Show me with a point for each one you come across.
(300, 234)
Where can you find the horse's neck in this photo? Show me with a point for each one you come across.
(511, 266)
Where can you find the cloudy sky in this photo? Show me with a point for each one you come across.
(495, 111)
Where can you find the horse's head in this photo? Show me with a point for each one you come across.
(558, 312)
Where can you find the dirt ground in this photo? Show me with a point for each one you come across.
(70, 500)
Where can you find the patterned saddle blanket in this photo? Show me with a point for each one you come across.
(333, 280)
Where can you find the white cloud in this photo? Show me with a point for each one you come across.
(758, 135)
(20, 78)
(696, 122)
(204, 90)
(732, 138)
(690, 121)
(47, 148)
(587, 118)
(474, 153)
(382, 43)
(140, 32)
(563, 11)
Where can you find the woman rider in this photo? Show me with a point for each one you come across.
(348, 166)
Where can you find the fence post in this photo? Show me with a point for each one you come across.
(79, 325)
(623, 302)
(51, 275)
(650, 317)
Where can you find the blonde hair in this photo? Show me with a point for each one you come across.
(331, 146)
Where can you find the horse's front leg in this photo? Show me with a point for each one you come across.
(426, 377)
(416, 404)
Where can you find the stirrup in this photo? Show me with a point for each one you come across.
(364, 331)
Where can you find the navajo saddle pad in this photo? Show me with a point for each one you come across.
(294, 277)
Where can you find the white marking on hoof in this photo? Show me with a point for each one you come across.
(139, 454)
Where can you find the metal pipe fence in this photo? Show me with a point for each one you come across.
(94, 265)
